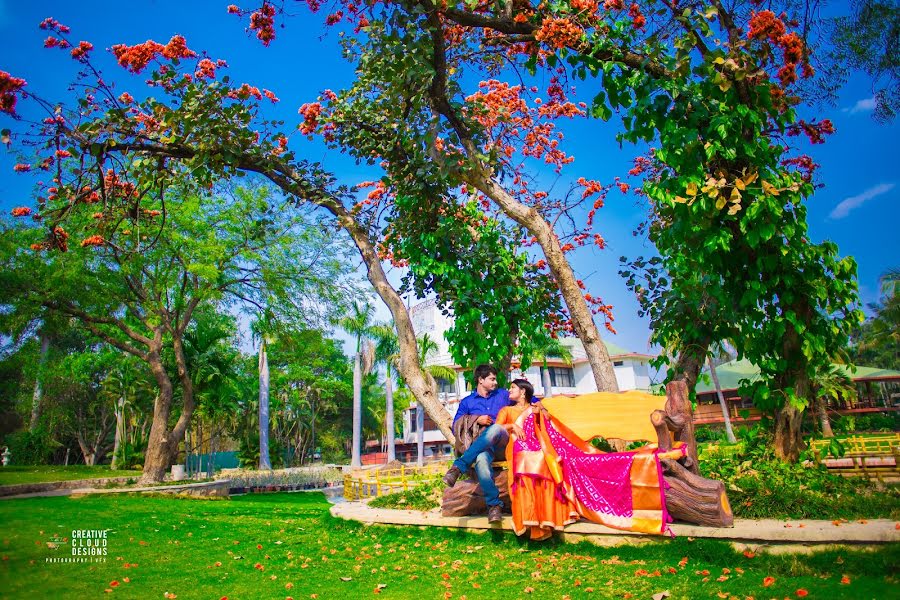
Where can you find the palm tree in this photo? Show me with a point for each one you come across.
(359, 324)
(830, 383)
(427, 346)
(387, 352)
(123, 385)
(264, 330)
(723, 350)
(551, 347)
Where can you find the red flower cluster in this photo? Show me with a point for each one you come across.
(53, 25)
(263, 22)
(206, 69)
(21, 168)
(136, 58)
(270, 95)
(9, 87)
(21, 211)
(764, 25)
(334, 18)
(52, 42)
(94, 240)
(641, 164)
(233, 9)
(816, 132)
(80, 51)
(637, 19)
(59, 239)
(559, 33)
(613, 5)
(245, 91)
(804, 164)
(311, 112)
(589, 7)
(126, 98)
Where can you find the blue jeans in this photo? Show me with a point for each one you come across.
(480, 455)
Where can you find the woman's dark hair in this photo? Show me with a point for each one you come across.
(525, 386)
(482, 371)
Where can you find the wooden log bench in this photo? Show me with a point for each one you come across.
(620, 419)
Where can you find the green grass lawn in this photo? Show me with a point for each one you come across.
(288, 545)
(41, 473)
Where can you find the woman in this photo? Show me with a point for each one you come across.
(521, 392)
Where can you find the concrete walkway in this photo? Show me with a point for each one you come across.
(764, 534)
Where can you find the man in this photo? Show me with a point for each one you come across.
(481, 408)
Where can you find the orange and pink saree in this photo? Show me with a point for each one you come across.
(557, 478)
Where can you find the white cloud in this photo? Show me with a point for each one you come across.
(843, 209)
(865, 105)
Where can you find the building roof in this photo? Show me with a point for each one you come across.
(615, 351)
(731, 373)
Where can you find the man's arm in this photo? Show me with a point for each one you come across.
(463, 409)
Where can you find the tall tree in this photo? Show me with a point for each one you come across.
(387, 353)
(138, 285)
(359, 324)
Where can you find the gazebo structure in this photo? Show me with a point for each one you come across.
(878, 390)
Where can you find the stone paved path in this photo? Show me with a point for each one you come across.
(746, 532)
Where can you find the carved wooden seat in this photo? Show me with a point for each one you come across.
(623, 418)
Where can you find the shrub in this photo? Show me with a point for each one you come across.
(30, 447)
(761, 486)
(425, 496)
(878, 422)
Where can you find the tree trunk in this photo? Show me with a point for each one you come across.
(689, 363)
(788, 441)
(729, 432)
(409, 367)
(788, 438)
(390, 431)
(824, 421)
(546, 381)
(86, 451)
(264, 462)
(481, 177)
(161, 445)
(420, 435)
(120, 432)
(38, 381)
(357, 413)
(560, 269)
(211, 460)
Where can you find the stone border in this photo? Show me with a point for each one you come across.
(745, 533)
(205, 489)
(52, 486)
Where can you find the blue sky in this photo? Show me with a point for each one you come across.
(857, 208)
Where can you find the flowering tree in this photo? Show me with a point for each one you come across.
(713, 87)
(196, 128)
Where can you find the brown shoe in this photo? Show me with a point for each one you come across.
(494, 514)
(451, 476)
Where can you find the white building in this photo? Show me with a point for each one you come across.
(632, 373)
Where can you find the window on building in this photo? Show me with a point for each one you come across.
(446, 386)
(562, 376)
(618, 363)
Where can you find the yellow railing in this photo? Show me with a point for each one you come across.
(370, 483)
(863, 444)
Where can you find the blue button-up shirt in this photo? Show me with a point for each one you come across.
(473, 404)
